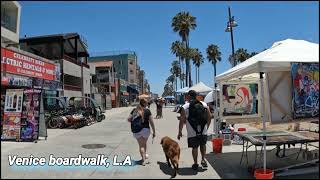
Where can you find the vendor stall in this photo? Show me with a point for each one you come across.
(280, 80)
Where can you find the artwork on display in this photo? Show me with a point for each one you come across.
(12, 114)
(240, 99)
(31, 114)
(305, 82)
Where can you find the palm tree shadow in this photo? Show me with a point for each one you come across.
(185, 171)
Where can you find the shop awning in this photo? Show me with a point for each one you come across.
(132, 90)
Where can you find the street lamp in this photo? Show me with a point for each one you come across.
(231, 24)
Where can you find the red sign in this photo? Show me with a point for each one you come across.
(17, 63)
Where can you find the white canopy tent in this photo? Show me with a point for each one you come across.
(276, 58)
(275, 62)
(183, 90)
(211, 96)
(200, 88)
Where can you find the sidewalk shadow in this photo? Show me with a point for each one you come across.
(185, 171)
(228, 166)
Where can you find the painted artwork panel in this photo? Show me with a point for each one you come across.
(240, 99)
(305, 83)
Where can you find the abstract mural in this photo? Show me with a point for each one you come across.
(240, 99)
(305, 82)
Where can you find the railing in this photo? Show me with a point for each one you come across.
(72, 60)
(112, 53)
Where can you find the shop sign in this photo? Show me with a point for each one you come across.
(52, 85)
(37, 83)
(16, 63)
(16, 81)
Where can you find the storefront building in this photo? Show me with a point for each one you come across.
(70, 51)
(25, 80)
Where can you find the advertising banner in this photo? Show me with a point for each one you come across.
(17, 63)
(16, 81)
(240, 99)
(12, 114)
(31, 114)
(305, 80)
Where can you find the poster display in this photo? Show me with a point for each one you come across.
(240, 99)
(12, 114)
(30, 115)
(305, 83)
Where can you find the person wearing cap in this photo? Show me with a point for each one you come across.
(194, 141)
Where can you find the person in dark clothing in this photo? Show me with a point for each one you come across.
(143, 135)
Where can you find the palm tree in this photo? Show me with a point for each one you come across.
(182, 23)
(175, 71)
(241, 55)
(170, 80)
(197, 61)
(167, 90)
(177, 49)
(213, 55)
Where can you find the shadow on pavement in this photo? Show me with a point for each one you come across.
(227, 165)
(184, 171)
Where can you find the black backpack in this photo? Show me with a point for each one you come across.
(136, 123)
(198, 116)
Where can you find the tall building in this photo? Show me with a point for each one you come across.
(105, 83)
(10, 23)
(125, 64)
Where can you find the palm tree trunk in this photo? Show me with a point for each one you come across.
(189, 65)
(184, 73)
(180, 72)
(176, 83)
(214, 71)
(199, 74)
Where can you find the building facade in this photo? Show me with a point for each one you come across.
(70, 51)
(10, 23)
(105, 83)
(125, 66)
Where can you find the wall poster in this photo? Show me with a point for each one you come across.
(12, 114)
(305, 83)
(30, 115)
(239, 99)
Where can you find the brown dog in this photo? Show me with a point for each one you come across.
(172, 151)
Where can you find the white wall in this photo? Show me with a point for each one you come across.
(71, 69)
(69, 93)
(86, 80)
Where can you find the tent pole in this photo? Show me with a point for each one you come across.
(264, 124)
(216, 109)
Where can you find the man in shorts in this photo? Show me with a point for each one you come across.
(194, 140)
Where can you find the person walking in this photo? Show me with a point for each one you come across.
(141, 120)
(197, 117)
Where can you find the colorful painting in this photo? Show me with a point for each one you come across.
(305, 82)
(240, 99)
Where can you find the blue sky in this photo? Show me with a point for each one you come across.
(145, 27)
